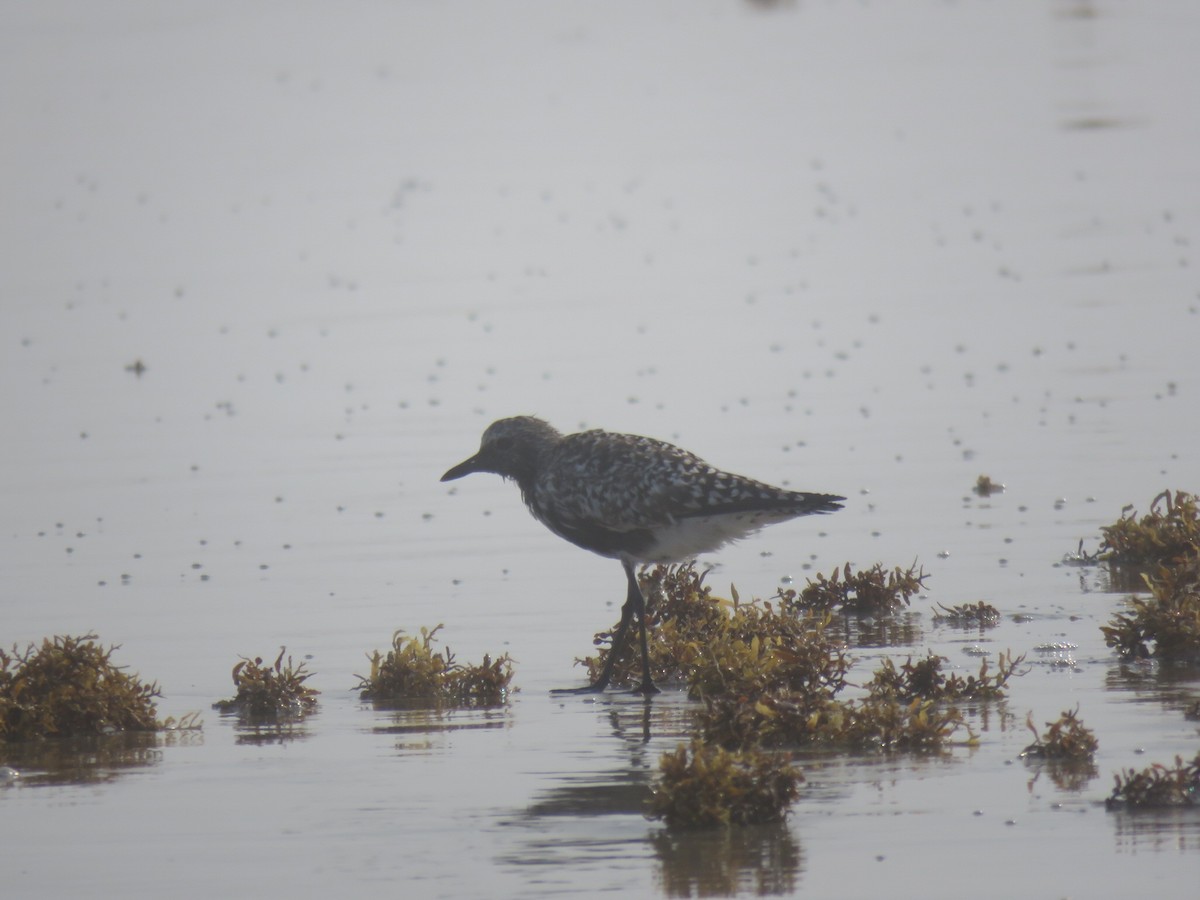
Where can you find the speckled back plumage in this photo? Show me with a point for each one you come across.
(632, 497)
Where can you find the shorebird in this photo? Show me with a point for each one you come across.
(631, 498)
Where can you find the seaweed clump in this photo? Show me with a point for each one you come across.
(866, 725)
(414, 673)
(1164, 625)
(680, 610)
(769, 673)
(925, 680)
(758, 649)
(906, 709)
(968, 615)
(1169, 531)
(1157, 786)
(68, 687)
(866, 592)
(1066, 750)
(270, 690)
(1065, 739)
(704, 786)
(718, 646)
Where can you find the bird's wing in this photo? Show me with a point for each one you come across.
(628, 482)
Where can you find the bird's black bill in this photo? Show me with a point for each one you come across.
(466, 467)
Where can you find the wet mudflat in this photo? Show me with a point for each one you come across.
(268, 274)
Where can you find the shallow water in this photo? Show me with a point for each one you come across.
(876, 250)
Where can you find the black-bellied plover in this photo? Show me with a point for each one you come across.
(631, 498)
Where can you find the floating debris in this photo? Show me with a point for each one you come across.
(1081, 557)
(985, 487)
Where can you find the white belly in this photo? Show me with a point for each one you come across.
(688, 538)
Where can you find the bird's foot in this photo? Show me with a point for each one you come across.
(646, 689)
(596, 688)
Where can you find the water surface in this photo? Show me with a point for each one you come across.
(876, 250)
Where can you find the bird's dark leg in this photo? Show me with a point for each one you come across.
(634, 603)
(639, 600)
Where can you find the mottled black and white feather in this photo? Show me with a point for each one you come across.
(631, 497)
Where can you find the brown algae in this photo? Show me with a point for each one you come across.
(69, 687)
(1169, 531)
(1067, 738)
(925, 680)
(770, 671)
(707, 786)
(867, 592)
(413, 672)
(720, 646)
(858, 725)
(1157, 786)
(1166, 623)
(680, 609)
(979, 615)
(270, 690)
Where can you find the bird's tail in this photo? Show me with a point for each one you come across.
(809, 504)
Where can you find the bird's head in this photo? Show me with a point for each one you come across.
(509, 447)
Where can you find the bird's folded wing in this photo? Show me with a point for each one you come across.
(629, 483)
